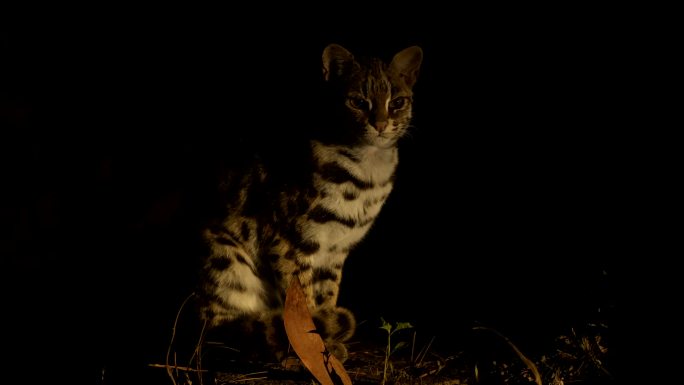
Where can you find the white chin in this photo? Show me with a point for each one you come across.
(381, 141)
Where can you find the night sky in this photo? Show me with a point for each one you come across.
(504, 212)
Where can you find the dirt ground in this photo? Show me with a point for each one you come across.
(482, 356)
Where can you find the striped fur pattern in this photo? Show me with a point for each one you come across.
(279, 226)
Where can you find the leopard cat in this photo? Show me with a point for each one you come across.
(300, 218)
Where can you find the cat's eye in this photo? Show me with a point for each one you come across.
(358, 103)
(397, 103)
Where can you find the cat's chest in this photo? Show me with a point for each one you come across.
(352, 188)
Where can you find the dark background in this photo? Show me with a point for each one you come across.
(506, 211)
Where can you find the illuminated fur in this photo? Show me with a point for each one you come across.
(303, 220)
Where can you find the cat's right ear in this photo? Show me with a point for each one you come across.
(407, 64)
(336, 61)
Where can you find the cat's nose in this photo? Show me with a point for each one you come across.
(380, 126)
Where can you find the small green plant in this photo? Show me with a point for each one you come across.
(390, 349)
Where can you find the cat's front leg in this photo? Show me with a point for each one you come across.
(321, 286)
(304, 272)
(335, 324)
(327, 276)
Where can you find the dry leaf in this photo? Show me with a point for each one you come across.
(306, 341)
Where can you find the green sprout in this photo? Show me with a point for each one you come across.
(390, 349)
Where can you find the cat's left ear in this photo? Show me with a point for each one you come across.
(337, 61)
(407, 64)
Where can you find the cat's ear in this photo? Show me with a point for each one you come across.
(407, 64)
(336, 61)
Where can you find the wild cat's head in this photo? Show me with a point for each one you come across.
(372, 99)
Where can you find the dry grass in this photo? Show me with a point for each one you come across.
(572, 358)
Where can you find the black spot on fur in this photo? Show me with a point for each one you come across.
(240, 258)
(350, 195)
(324, 274)
(309, 247)
(237, 286)
(335, 173)
(220, 263)
(305, 246)
(244, 231)
(303, 264)
(321, 214)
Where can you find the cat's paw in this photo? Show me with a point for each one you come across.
(335, 325)
(337, 349)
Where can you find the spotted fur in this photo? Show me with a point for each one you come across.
(303, 220)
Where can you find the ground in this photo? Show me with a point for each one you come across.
(484, 356)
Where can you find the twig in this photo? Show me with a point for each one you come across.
(244, 377)
(176, 367)
(528, 362)
(424, 352)
(197, 353)
(173, 336)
